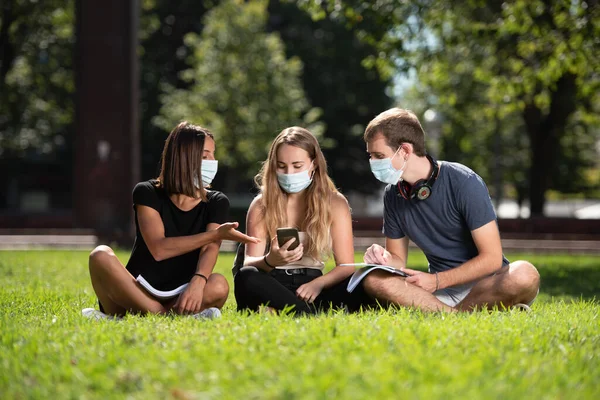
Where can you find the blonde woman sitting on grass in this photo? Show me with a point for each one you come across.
(296, 192)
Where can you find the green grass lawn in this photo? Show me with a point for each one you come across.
(48, 350)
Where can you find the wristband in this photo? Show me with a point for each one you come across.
(266, 262)
(202, 276)
(437, 282)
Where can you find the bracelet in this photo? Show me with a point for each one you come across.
(437, 282)
(202, 276)
(266, 262)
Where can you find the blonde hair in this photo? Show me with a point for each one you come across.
(398, 126)
(317, 223)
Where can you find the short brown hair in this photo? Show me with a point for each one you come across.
(398, 126)
(181, 161)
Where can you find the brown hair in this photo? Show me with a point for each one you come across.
(317, 223)
(398, 126)
(181, 161)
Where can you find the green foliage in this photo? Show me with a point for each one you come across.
(523, 71)
(36, 76)
(531, 65)
(335, 81)
(241, 85)
(49, 351)
(163, 55)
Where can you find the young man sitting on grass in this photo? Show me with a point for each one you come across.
(446, 210)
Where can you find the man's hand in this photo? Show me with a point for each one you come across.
(377, 255)
(421, 279)
(227, 231)
(309, 291)
(190, 301)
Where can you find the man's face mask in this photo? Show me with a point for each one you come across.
(385, 171)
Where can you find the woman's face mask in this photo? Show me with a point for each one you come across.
(385, 172)
(209, 170)
(294, 183)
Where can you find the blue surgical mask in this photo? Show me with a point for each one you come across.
(294, 183)
(385, 171)
(209, 170)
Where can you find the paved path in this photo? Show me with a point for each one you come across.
(88, 242)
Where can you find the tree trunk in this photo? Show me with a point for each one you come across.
(545, 132)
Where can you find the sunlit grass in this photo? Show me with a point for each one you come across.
(47, 350)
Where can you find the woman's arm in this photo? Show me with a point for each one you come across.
(255, 252)
(162, 248)
(342, 241)
(255, 226)
(190, 300)
(343, 251)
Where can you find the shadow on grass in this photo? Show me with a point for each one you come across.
(574, 281)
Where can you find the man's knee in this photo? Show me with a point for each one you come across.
(525, 277)
(219, 285)
(100, 258)
(374, 281)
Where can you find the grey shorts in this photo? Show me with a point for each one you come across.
(453, 295)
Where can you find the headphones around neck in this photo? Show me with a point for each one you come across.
(422, 188)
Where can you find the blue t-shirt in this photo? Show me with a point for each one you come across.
(441, 225)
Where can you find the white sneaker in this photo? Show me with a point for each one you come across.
(209, 313)
(521, 307)
(92, 313)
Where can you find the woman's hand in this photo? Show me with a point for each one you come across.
(190, 301)
(309, 291)
(227, 231)
(281, 255)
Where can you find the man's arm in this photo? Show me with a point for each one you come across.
(488, 261)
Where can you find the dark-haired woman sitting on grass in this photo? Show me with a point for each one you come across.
(179, 228)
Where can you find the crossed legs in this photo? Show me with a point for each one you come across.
(118, 291)
(517, 283)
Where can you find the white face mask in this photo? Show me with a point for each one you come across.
(209, 170)
(385, 171)
(294, 183)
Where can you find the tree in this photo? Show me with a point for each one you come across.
(163, 55)
(532, 60)
(492, 61)
(242, 86)
(36, 77)
(336, 81)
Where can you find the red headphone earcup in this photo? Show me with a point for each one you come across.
(402, 190)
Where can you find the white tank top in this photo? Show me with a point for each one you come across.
(305, 261)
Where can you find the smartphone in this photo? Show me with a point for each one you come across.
(285, 234)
